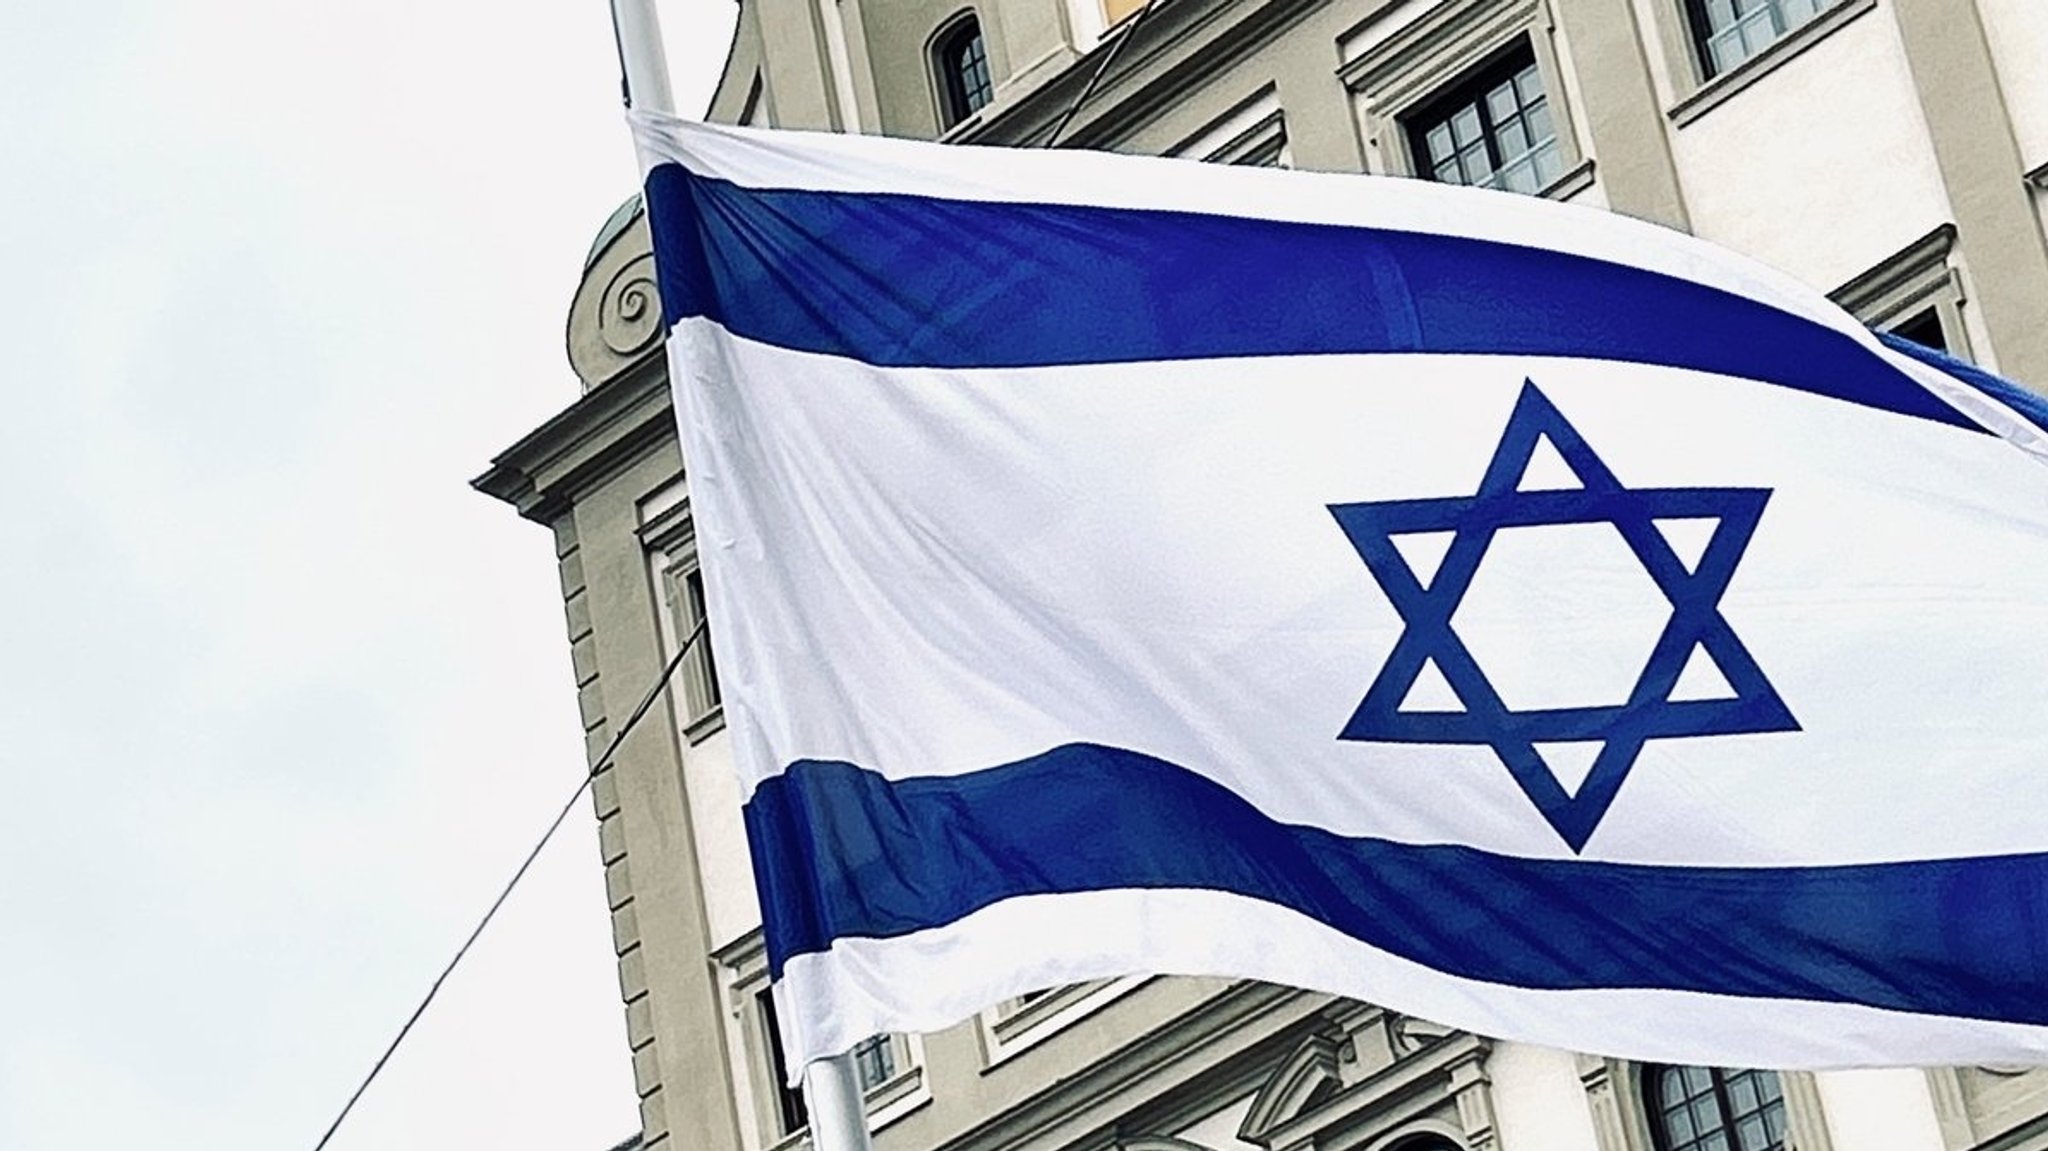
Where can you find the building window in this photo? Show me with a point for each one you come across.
(694, 612)
(684, 590)
(874, 1059)
(670, 537)
(960, 58)
(1731, 31)
(1492, 131)
(1924, 329)
(1710, 1109)
(877, 1061)
(1916, 292)
(1470, 92)
(890, 1067)
(791, 1115)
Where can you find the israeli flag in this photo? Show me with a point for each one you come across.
(1515, 615)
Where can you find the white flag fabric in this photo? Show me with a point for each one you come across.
(1515, 615)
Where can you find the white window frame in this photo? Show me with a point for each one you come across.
(669, 536)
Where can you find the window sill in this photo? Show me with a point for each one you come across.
(705, 726)
(1720, 89)
(1003, 1038)
(894, 1098)
(1571, 182)
(1576, 179)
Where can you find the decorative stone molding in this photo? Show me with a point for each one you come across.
(1373, 1082)
(1919, 276)
(1951, 1108)
(1986, 1107)
(615, 318)
(1473, 1090)
(1301, 1081)
(1412, 1034)
(629, 310)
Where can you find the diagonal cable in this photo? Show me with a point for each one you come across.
(1130, 30)
(603, 761)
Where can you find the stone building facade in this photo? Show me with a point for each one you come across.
(1892, 152)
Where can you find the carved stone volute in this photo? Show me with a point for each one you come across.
(615, 318)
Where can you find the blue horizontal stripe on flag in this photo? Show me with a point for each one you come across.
(2033, 408)
(840, 851)
(899, 281)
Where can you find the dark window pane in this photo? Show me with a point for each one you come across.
(693, 587)
(962, 64)
(789, 1101)
(1924, 328)
(875, 1059)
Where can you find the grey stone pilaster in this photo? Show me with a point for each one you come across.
(1997, 229)
(1630, 146)
(1322, 131)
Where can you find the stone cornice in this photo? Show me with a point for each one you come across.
(542, 474)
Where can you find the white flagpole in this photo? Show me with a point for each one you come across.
(832, 1091)
(838, 1106)
(643, 63)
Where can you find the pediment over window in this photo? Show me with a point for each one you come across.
(1302, 1082)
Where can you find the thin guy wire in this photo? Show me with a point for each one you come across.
(603, 761)
(1115, 49)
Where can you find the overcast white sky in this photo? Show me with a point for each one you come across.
(282, 701)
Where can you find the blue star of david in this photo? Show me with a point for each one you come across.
(1622, 730)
